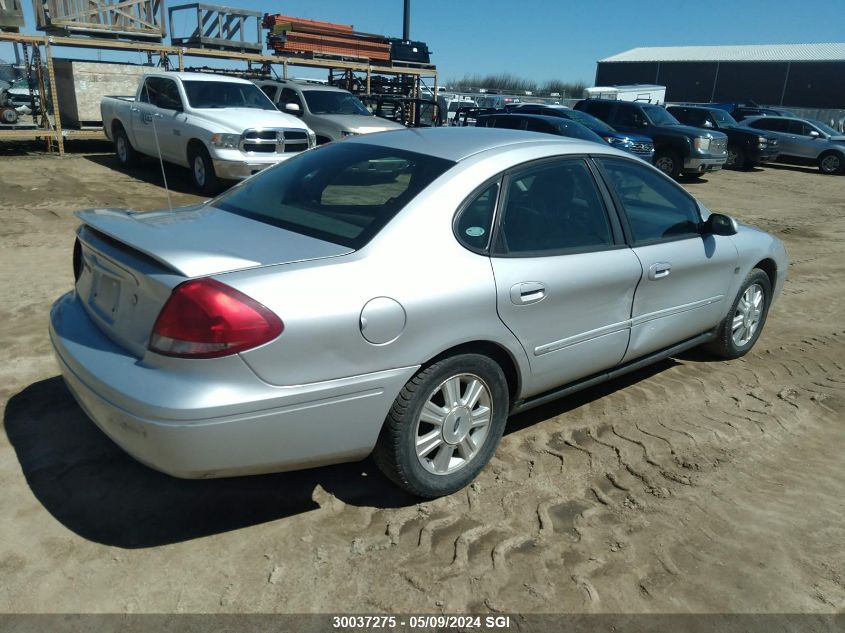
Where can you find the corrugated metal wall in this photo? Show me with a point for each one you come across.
(794, 84)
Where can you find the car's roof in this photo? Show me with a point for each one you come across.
(459, 143)
(302, 85)
(199, 77)
(770, 118)
(527, 115)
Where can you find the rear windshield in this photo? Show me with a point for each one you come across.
(343, 193)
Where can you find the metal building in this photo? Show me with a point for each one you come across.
(791, 75)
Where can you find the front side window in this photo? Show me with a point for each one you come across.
(656, 208)
(290, 96)
(225, 94)
(162, 93)
(343, 193)
(553, 208)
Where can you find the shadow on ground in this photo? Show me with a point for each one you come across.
(98, 491)
(95, 489)
(149, 171)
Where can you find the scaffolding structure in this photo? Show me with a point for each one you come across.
(50, 128)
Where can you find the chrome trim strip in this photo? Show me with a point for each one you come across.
(613, 328)
(686, 307)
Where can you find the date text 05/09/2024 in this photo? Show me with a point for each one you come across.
(387, 622)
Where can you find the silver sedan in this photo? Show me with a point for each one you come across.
(399, 294)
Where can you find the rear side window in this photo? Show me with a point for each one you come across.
(475, 219)
(657, 209)
(775, 125)
(551, 209)
(599, 109)
(629, 117)
(507, 122)
(538, 125)
(343, 193)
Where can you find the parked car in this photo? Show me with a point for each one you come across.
(637, 144)
(805, 142)
(288, 323)
(740, 111)
(333, 113)
(219, 127)
(678, 149)
(538, 123)
(746, 148)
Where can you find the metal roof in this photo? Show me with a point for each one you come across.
(741, 53)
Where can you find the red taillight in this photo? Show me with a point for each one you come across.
(206, 319)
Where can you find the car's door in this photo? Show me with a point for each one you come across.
(687, 276)
(628, 118)
(564, 278)
(804, 143)
(780, 128)
(162, 118)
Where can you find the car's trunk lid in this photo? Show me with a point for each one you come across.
(130, 262)
(202, 240)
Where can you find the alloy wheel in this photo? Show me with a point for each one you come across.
(453, 424)
(747, 316)
(831, 164)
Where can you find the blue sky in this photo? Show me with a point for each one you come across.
(554, 39)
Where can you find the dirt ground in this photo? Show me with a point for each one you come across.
(694, 486)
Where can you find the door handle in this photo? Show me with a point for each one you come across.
(134, 109)
(659, 270)
(527, 292)
(158, 115)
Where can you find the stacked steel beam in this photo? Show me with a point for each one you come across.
(289, 35)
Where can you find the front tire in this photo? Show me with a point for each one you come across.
(669, 162)
(741, 328)
(831, 163)
(203, 176)
(444, 426)
(736, 158)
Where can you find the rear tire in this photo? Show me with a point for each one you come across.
(444, 426)
(203, 176)
(669, 162)
(831, 163)
(741, 328)
(126, 154)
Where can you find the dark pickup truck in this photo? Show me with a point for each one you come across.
(746, 148)
(678, 149)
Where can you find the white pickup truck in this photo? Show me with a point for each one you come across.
(219, 127)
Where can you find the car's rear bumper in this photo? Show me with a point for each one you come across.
(702, 165)
(215, 417)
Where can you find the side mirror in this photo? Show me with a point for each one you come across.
(814, 134)
(293, 108)
(719, 224)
